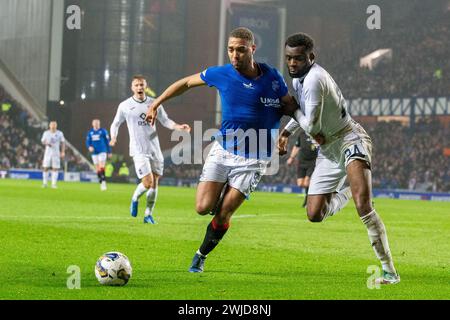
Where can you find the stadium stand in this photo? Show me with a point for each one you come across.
(20, 135)
(409, 158)
(419, 65)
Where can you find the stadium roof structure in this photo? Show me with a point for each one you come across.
(414, 106)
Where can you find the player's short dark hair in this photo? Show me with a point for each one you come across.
(138, 77)
(243, 33)
(299, 40)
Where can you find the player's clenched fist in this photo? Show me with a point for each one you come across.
(282, 145)
(183, 127)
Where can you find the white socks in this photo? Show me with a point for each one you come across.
(152, 194)
(151, 200)
(337, 202)
(140, 189)
(45, 177)
(379, 241)
(54, 177)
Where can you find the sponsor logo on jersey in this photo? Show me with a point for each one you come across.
(143, 123)
(270, 102)
(275, 85)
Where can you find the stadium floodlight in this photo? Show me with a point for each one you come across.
(107, 75)
(372, 59)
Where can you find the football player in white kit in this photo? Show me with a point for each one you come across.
(53, 140)
(144, 144)
(345, 149)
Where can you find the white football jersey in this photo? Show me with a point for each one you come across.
(323, 108)
(53, 141)
(143, 136)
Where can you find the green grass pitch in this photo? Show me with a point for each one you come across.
(270, 252)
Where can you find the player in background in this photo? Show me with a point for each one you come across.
(307, 151)
(345, 149)
(97, 142)
(251, 95)
(144, 144)
(54, 142)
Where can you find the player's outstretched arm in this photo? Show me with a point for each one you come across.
(174, 90)
(182, 127)
(164, 119)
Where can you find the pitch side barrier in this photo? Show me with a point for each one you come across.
(377, 193)
(87, 176)
(33, 174)
(284, 188)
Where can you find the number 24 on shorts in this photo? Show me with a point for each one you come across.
(355, 151)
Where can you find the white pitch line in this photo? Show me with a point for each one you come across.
(101, 218)
(58, 218)
(245, 216)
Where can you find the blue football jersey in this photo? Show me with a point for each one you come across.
(251, 109)
(99, 140)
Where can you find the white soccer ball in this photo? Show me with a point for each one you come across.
(113, 269)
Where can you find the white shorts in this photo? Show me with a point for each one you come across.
(239, 172)
(51, 161)
(144, 166)
(330, 172)
(99, 158)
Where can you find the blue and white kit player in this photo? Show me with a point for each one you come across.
(252, 95)
(97, 142)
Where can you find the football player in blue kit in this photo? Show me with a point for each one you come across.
(97, 142)
(254, 97)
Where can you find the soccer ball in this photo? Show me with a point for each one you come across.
(113, 269)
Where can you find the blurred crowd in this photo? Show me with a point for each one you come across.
(403, 158)
(411, 158)
(419, 64)
(20, 135)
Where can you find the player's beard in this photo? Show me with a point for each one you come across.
(243, 65)
(294, 75)
(300, 72)
(238, 65)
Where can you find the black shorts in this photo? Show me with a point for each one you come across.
(305, 170)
